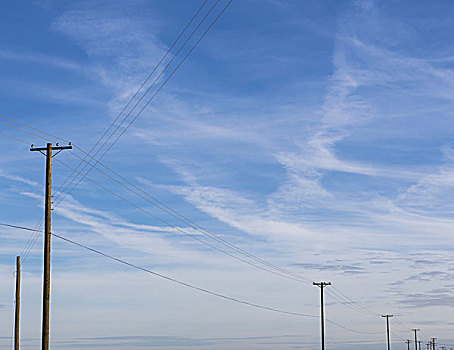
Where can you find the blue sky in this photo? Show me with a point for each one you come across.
(316, 135)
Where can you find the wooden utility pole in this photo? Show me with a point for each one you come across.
(419, 344)
(408, 341)
(433, 343)
(47, 235)
(416, 338)
(387, 329)
(322, 318)
(17, 313)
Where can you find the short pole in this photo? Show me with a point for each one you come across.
(17, 313)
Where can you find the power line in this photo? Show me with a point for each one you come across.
(282, 272)
(348, 302)
(16, 139)
(212, 235)
(30, 243)
(31, 127)
(338, 296)
(231, 246)
(155, 94)
(176, 227)
(193, 225)
(33, 237)
(32, 240)
(136, 93)
(397, 336)
(183, 283)
(28, 132)
(166, 277)
(204, 290)
(350, 329)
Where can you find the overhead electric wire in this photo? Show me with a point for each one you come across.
(31, 127)
(201, 37)
(34, 236)
(141, 87)
(178, 228)
(402, 325)
(397, 336)
(339, 296)
(334, 295)
(149, 88)
(14, 138)
(353, 302)
(31, 241)
(170, 211)
(282, 272)
(286, 274)
(183, 283)
(349, 329)
(167, 277)
(348, 302)
(170, 76)
(188, 285)
(28, 132)
(196, 227)
(36, 231)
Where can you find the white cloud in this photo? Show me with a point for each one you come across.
(432, 194)
(126, 48)
(17, 178)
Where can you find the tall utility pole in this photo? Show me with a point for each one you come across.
(47, 235)
(408, 341)
(416, 338)
(17, 314)
(387, 329)
(433, 343)
(322, 318)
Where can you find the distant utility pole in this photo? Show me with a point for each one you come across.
(322, 285)
(433, 343)
(429, 345)
(17, 317)
(419, 344)
(416, 338)
(408, 341)
(47, 235)
(387, 329)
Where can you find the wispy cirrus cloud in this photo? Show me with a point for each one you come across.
(17, 178)
(125, 48)
(429, 299)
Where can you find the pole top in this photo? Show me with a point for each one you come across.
(56, 148)
(321, 284)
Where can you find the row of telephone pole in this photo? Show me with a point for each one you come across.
(431, 345)
(48, 152)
